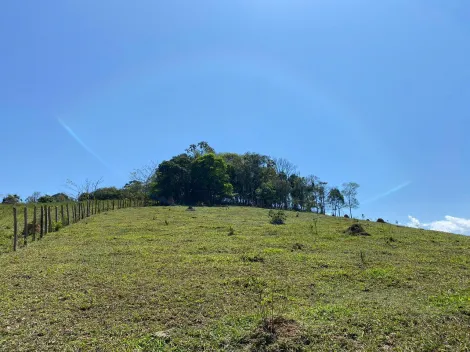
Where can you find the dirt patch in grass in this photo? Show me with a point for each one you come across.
(356, 230)
(277, 334)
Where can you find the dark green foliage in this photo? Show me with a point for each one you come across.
(11, 199)
(336, 201)
(58, 226)
(277, 217)
(46, 199)
(172, 180)
(85, 196)
(56, 198)
(210, 180)
(107, 193)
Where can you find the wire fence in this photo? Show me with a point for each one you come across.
(39, 220)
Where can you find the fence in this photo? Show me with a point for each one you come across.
(52, 218)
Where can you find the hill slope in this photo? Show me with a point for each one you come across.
(161, 278)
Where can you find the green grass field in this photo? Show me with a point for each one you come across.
(224, 279)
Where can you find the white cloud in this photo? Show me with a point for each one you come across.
(449, 224)
(413, 222)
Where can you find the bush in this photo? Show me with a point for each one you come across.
(58, 226)
(277, 217)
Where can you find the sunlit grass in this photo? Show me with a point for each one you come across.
(163, 278)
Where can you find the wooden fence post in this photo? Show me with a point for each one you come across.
(50, 219)
(25, 231)
(46, 221)
(41, 234)
(56, 214)
(35, 221)
(62, 218)
(68, 214)
(15, 229)
(113, 204)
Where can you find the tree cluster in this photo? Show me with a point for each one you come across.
(200, 175)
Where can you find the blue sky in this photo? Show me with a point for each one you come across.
(375, 92)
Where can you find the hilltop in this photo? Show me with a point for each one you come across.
(223, 278)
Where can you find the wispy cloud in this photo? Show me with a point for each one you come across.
(389, 192)
(79, 141)
(450, 224)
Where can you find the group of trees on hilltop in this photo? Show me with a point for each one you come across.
(202, 176)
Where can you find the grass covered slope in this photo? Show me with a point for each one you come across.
(157, 279)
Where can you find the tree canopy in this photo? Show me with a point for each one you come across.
(200, 175)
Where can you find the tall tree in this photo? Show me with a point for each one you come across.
(321, 193)
(173, 179)
(210, 180)
(284, 166)
(202, 148)
(33, 198)
(141, 182)
(83, 191)
(335, 200)
(349, 192)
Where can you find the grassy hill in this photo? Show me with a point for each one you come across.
(158, 279)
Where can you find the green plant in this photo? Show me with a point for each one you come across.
(231, 231)
(277, 217)
(363, 258)
(58, 226)
(167, 223)
(315, 222)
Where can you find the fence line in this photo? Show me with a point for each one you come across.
(78, 210)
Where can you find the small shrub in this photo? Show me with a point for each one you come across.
(167, 223)
(277, 217)
(297, 246)
(58, 226)
(231, 231)
(253, 258)
(382, 221)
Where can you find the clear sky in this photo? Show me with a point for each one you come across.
(375, 92)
